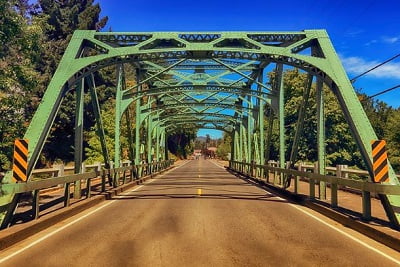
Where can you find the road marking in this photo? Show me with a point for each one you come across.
(346, 234)
(222, 167)
(341, 231)
(199, 191)
(79, 219)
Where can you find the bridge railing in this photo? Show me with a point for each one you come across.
(112, 177)
(58, 170)
(275, 176)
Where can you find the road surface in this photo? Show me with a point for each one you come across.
(198, 215)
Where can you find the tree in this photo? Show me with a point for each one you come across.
(64, 17)
(180, 143)
(208, 140)
(224, 148)
(392, 136)
(340, 145)
(20, 47)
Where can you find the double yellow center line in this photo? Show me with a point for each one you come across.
(199, 189)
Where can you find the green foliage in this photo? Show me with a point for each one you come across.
(386, 123)
(224, 147)
(63, 18)
(33, 40)
(93, 151)
(180, 143)
(20, 39)
(392, 134)
(340, 145)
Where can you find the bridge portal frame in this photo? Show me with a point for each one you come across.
(308, 50)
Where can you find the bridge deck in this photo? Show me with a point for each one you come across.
(196, 215)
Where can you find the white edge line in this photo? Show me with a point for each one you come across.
(342, 232)
(136, 188)
(216, 164)
(346, 234)
(78, 219)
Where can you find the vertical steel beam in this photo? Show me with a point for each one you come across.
(137, 123)
(261, 104)
(149, 136)
(118, 115)
(149, 133)
(249, 157)
(300, 124)
(130, 135)
(321, 135)
(163, 142)
(269, 135)
(166, 157)
(238, 150)
(300, 120)
(233, 150)
(281, 106)
(243, 142)
(78, 149)
(158, 136)
(99, 121)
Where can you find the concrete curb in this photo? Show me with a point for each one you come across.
(362, 228)
(17, 233)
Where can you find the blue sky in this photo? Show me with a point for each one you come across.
(364, 32)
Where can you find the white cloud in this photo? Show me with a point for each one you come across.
(371, 42)
(391, 40)
(354, 32)
(357, 65)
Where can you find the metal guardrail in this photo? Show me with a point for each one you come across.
(343, 169)
(114, 177)
(266, 172)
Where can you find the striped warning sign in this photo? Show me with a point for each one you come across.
(20, 162)
(380, 163)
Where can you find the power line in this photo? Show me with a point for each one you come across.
(382, 92)
(377, 66)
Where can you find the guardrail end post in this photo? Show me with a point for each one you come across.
(88, 188)
(366, 205)
(312, 188)
(67, 194)
(35, 204)
(334, 195)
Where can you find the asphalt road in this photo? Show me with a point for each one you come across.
(198, 215)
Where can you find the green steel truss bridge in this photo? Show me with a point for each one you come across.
(213, 80)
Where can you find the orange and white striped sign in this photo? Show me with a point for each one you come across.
(20, 161)
(380, 162)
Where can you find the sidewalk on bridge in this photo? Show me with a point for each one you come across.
(349, 205)
(52, 199)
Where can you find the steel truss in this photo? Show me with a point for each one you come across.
(200, 80)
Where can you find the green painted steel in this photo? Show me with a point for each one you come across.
(118, 118)
(192, 80)
(78, 157)
(321, 135)
(99, 122)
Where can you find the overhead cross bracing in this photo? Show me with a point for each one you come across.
(195, 80)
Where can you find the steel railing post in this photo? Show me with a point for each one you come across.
(35, 204)
(366, 205)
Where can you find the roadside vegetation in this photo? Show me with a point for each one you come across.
(33, 38)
